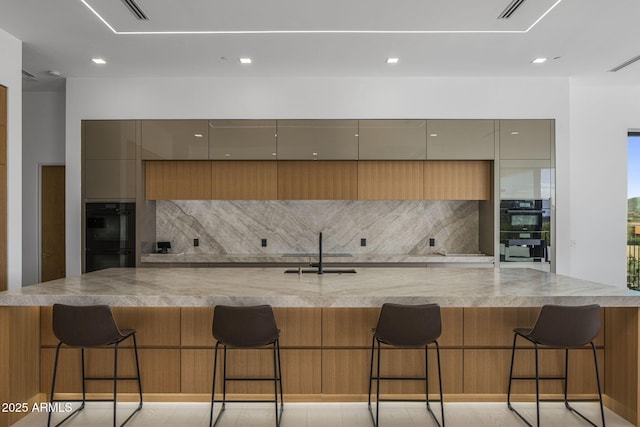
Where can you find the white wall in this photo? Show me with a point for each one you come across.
(164, 98)
(11, 77)
(43, 143)
(601, 116)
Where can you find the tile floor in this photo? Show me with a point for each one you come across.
(392, 414)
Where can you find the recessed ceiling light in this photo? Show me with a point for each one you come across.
(539, 60)
(433, 134)
(392, 60)
(99, 61)
(197, 135)
(245, 60)
(515, 133)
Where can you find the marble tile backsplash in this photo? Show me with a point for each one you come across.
(292, 226)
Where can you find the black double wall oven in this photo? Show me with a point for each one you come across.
(525, 231)
(110, 235)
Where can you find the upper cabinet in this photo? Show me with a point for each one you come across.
(526, 139)
(321, 180)
(392, 140)
(110, 139)
(457, 180)
(317, 139)
(390, 180)
(526, 179)
(110, 179)
(175, 139)
(460, 139)
(242, 139)
(109, 159)
(178, 180)
(244, 180)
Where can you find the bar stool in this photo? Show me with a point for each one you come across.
(245, 327)
(406, 326)
(88, 327)
(561, 327)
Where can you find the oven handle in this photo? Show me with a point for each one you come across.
(110, 251)
(524, 211)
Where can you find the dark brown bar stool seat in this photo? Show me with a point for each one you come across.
(562, 327)
(245, 327)
(406, 326)
(88, 327)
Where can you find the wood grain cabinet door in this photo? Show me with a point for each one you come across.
(317, 180)
(244, 180)
(178, 180)
(457, 180)
(390, 179)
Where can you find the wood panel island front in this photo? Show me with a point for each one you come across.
(325, 324)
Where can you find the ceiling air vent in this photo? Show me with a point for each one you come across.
(511, 9)
(625, 64)
(28, 76)
(135, 9)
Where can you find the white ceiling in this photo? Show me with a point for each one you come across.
(328, 38)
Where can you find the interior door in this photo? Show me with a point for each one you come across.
(52, 214)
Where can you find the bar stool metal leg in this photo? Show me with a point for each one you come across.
(378, 388)
(565, 380)
(280, 376)
(426, 358)
(212, 421)
(53, 386)
(275, 383)
(537, 388)
(371, 377)
(135, 349)
(276, 379)
(575, 411)
(115, 382)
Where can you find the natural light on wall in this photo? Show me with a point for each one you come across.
(633, 215)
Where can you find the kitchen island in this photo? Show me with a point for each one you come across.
(325, 326)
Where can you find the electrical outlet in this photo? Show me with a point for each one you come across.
(363, 242)
(263, 243)
(432, 242)
(196, 242)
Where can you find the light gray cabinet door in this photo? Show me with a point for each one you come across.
(460, 139)
(392, 140)
(526, 139)
(242, 139)
(526, 179)
(110, 139)
(110, 179)
(175, 140)
(317, 139)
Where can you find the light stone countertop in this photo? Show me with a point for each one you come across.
(191, 258)
(369, 287)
